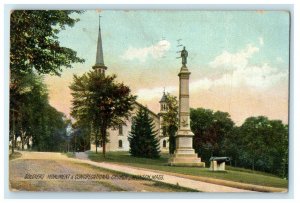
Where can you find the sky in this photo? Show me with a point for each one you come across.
(239, 60)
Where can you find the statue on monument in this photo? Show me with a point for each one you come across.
(184, 55)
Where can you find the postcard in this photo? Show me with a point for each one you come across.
(149, 101)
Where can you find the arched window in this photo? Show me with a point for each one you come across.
(120, 144)
(164, 144)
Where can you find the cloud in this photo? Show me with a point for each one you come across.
(261, 41)
(234, 60)
(155, 51)
(234, 71)
(239, 73)
(279, 59)
(154, 93)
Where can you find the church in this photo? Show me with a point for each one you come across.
(118, 138)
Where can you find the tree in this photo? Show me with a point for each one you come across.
(32, 118)
(80, 139)
(142, 138)
(28, 97)
(34, 45)
(35, 50)
(210, 129)
(170, 121)
(265, 145)
(201, 120)
(101, 102)
(255, 131)
(231, 146)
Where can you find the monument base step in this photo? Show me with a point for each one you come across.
(185, 156)
(187, 160)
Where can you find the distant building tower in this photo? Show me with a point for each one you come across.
(99, 66)
(164, 139)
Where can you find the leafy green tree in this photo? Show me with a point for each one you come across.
(80, 139)
(210, 129)
(201, 119)
(28, 96)
(101, 102)
(255, 132)
(231, 146)
(34, 50)
(34, 45)
(32, 118)
(222, 126)
(170, 121)
(280, 142)
(142, 138)
(265, 145)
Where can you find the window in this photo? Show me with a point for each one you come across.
(164, 144)
(120, 130)
(120, 144)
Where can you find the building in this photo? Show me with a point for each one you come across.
(118, 138)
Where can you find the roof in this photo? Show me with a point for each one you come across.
(151, 112)
(163, 98)
(99, 54)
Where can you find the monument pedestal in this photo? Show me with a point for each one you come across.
(184, 154)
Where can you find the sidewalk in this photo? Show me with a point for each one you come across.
(170, 179)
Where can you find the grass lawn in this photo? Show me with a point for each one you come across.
(232, 174)
(69, 154)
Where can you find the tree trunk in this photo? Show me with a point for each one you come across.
(103, 134)
(13, 136)
(96, 142)
(104, 149)
(12, 145)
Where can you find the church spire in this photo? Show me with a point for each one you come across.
(99, 66)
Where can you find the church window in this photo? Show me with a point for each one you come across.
(120, 144)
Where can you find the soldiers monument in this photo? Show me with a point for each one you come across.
(184, 154)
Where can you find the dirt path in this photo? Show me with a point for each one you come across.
(47, 163)
(43, 171)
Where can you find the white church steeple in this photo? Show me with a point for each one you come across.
(99, 66)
